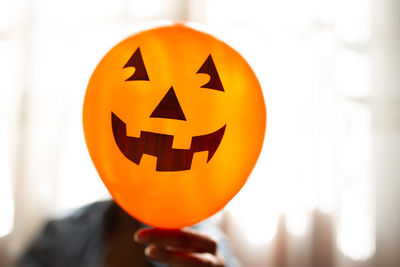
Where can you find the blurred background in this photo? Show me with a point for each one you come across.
(326, 189)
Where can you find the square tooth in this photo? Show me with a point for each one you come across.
(182, 142)
(133, 131)
(199, 160)
(148, 162)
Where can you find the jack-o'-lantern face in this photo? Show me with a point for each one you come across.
(174, 121)
(160, 145)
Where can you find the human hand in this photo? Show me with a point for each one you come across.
(179, 248)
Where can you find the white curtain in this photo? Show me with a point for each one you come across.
(326, 188)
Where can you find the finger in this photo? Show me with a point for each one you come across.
(182, 239)
(182, 259)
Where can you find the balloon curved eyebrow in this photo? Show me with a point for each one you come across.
(209, 68)
(136, 61)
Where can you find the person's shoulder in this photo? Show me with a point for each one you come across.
(90, 212)
(80, 221)
(68, 237)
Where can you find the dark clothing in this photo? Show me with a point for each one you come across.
(80, 240)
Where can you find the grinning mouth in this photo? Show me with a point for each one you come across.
(160, 146)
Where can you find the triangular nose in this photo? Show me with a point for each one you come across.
(169, 107)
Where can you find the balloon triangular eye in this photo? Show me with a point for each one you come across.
(208, 67)
(136, 61)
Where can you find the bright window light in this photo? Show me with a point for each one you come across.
(10, 81)
(353, 20)
(145, 9)
(355, 236)
(6, 189)
(298, 222)
(257, 219)
(351, 74)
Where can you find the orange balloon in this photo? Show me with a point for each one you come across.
(174, 121)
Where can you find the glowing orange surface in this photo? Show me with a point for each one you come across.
(172, 57)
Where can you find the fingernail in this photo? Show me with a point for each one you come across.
(136, 237)
(149, 251)
(141, 237)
